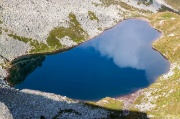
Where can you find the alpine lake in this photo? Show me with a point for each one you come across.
(118, 62)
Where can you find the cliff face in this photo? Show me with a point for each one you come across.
(45, 26)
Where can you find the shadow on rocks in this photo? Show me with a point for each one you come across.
(30, 104)
(22, 67)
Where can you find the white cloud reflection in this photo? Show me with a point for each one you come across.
(129, 45)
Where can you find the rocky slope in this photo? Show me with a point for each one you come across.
(45, 26)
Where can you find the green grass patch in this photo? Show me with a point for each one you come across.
(74, 31)
(123, 5)
(39, 47)
(92, 16)
(168, 45)
(36, 46)
(167, 15)
(110, 103)
(168, 101)
(20, 38)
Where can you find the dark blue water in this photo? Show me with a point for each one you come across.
(118, 62)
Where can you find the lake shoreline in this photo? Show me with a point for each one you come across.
(101, 34)
(69, 48)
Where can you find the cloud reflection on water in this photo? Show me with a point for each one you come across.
(129, 44)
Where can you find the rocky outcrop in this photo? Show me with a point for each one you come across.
(34, 104)
(5, 113)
